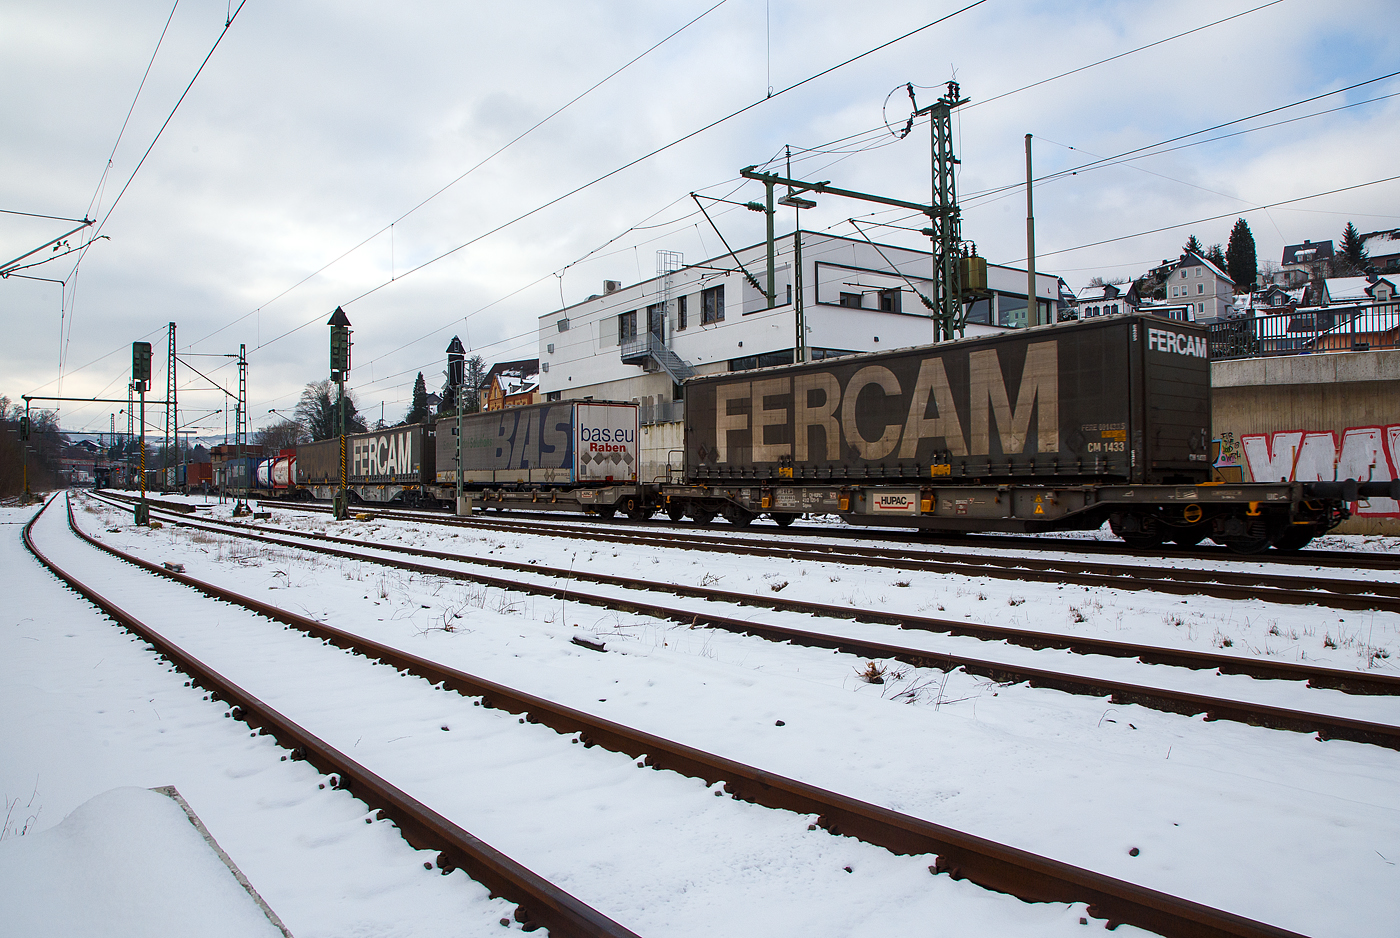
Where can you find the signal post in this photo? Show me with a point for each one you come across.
(141, 378)
(340, 367)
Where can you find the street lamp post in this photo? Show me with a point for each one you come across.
(340, 366)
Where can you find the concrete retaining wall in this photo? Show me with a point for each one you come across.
(1310, 417)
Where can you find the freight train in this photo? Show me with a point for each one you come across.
(1053, 428)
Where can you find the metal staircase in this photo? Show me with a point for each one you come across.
(649, 348)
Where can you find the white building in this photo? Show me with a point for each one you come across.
(640, 342)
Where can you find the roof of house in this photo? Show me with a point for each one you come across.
(1187, 261)
(1380, 243)
(1105, 291)
(1309, 252)
(1340, 289)
(521, 368)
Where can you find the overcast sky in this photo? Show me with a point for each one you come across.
(286, 182)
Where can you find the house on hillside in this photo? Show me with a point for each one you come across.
(511, 384)
(1196, 282)
(1382, 250)
(1106, 299)
(1304, 262)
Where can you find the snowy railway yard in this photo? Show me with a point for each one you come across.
(1271, 825)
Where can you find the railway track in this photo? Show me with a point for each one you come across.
(1340, 559)
(993, 865)
(540, 902)
(1287, 588)
(628, 596)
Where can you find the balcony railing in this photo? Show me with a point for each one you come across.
(1263, 333)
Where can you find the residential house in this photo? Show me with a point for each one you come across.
(1196, 281)
(1305, 262)
(511, 384)
(1106, 299)
(1382, 250)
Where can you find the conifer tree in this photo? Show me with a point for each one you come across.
(1193, 246)
(1353, 250)
(1241, 259)
(419, 411)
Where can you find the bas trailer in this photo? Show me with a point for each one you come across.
(565, 455)
(1051, 428)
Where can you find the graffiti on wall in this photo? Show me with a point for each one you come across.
(1367, 454)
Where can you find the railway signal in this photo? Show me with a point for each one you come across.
(340, 367)
(141, 378)
(456, 364)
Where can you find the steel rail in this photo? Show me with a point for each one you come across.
(985, 862)
(1356, 682)
(539, 901)
(1281, 588)
(1324, 725)
(1342, 559)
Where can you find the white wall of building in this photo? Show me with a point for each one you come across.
(587, 355)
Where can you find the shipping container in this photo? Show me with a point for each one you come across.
(277, 472)
(1122, 399)
(395, 456)
(560, 443)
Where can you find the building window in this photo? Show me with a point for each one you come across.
(656, 317)
(554, 396)
(1183, 274)
(890, 300)
(680, 312)
(712, 305)
(1201, 309)
(627, 327)
(1200, 288)
(766, 360)
(851, 300)
(1198, 271)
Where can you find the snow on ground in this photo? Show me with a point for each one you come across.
(1273, 825)
(128, 862)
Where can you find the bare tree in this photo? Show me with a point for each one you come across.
(284, 434)
(316, 411)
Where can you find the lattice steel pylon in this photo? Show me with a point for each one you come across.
(169, 406)
(946, 218)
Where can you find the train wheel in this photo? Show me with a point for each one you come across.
(699, 513)
(640, 510)
(675, 510)
(783, 518)
(1295, 538)
(739, 517)
(1137, 532)
(606, 512)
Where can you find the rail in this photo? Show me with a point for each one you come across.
(961, 855)
(539, 901)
